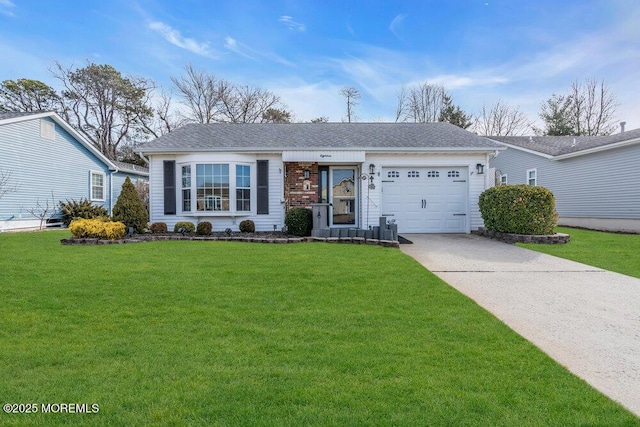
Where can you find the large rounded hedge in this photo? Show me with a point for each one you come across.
(519, 209)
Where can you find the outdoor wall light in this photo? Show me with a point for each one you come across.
(307, 173)
(480, 168)
(372, 169)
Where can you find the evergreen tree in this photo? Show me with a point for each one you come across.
(556, 114)
(129, 209)
(453, 113)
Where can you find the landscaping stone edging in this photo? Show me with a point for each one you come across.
(277, 240)
(550, 239)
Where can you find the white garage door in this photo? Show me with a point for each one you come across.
(426, 200)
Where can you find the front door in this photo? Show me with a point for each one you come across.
(342, 188)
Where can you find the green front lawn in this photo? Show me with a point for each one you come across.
(609, 251)
(225, 333)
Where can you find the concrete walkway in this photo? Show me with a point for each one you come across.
(585, 318)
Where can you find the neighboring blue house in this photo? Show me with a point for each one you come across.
(44, 160)
(595, 179)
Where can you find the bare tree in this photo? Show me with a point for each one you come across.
(106, 107)
(5, 183)
(200, 92)
(593, 108)
(43, 211)
(352, 96)
(246, 104)
(209, 100)
(500, 120)
(421, 103)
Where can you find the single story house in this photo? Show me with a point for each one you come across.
(426, 177)
(43, 161)
(594, 178)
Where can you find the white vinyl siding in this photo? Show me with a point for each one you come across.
(47, 129)
(220, 219)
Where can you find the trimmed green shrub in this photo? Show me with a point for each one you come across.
(96, 229)
(158, 227)
(203, 228)
(129, 209)
(186, 225)
(299, 221)
(519, 209)
(72, 209)
(247, 226)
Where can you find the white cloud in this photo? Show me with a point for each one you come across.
(174, 37)
(5, 5)
(395, 24)
(293, 25)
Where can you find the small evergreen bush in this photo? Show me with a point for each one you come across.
(247, 226)
(72, 209)
(187, 226)
(519, 209)
(299, 221)
(96, 229)
(203, 228)
(129, 209)
(158, 227)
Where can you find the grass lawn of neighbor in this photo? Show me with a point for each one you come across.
(228, 333)
(609, 251)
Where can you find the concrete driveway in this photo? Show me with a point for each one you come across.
(585, 318)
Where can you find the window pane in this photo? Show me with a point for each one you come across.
(97, 186)
(212, 187)
(243, 199)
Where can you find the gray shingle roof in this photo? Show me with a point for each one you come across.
(559, 145)
(313, 136)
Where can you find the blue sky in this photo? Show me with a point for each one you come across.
(481, 50)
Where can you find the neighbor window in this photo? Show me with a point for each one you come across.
(532, 177)
(503, 179)
(97, 186)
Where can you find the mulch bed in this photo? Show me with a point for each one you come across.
(257, 237)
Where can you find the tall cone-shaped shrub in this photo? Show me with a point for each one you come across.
(129, 209)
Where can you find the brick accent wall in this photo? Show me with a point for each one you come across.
(298, 191)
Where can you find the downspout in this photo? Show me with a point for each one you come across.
(111, 192)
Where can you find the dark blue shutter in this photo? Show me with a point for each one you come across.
(169, 187)
(263, 187)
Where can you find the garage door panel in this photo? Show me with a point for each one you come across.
(426, 199)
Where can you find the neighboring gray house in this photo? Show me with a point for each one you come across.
(44, 160)
(425, 176)
(595, 179)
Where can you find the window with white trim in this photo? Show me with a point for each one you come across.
(503, 179)
(433, 174)
(532, 177)
(243, 188)
(453, 174)
(212, 187)
(97, 184)
(186, 188)
(413, 174)
(393, 174)
(216, 187)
